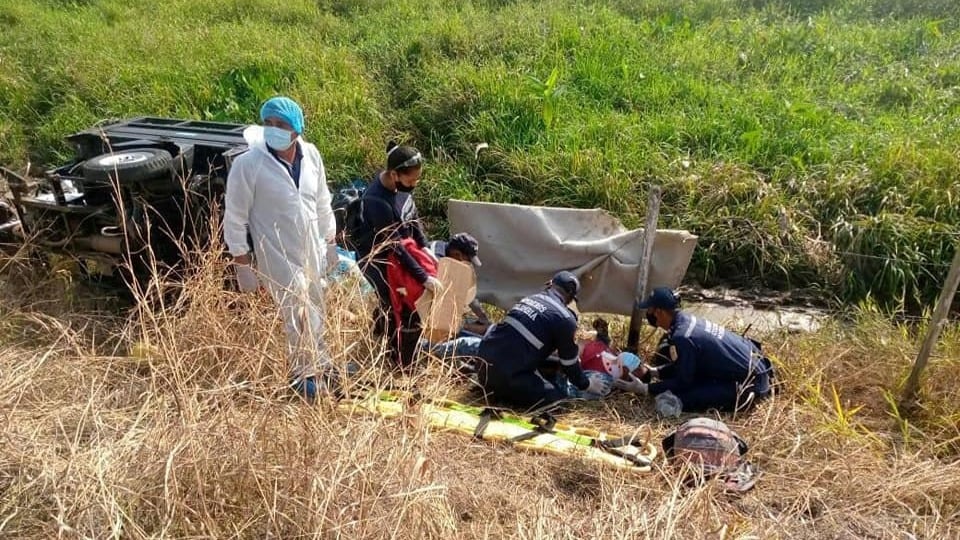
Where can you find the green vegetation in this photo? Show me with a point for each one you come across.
(808, 142)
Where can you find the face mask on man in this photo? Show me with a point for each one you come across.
(400, 185)
(277, 138)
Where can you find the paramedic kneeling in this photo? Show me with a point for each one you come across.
(710, 367)
(513, 352)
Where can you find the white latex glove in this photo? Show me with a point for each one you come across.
(246, 278)
(599, 384)
(433, 285)
(634, 385)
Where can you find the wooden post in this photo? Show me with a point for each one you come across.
(649, 235)
(937, 321)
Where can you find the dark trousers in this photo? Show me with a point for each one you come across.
(721, 395)
(524, 390)
(404, 338)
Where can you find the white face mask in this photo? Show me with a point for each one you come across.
(277, 138)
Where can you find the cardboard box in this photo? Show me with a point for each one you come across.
(443, 316)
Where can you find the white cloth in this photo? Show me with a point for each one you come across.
(290, 228)
(523, 246)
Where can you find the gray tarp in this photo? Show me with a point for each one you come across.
(522, 246)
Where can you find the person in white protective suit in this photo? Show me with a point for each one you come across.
(277, 191)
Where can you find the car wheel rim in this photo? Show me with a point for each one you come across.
(125, 158)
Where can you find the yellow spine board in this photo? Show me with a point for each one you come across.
(452, 420)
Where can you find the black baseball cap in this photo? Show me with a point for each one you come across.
(466, 244)
(661, 297)
(566, 282)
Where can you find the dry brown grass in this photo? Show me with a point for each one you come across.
(193, 434)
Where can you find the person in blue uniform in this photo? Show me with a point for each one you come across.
(514, 353)
(709, 366)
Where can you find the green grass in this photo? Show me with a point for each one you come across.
(794, 136)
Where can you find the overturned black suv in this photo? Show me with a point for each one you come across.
(139, 195)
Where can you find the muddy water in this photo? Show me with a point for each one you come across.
(758, 320)
(762, 313)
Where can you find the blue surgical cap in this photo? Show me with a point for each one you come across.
(285, 109)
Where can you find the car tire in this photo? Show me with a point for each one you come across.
(133, 165)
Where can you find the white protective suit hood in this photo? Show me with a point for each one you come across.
(254, 137)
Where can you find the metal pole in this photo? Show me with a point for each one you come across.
(649, 235)
(937, 321)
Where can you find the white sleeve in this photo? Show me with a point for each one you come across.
(325, 218)
(239, 200)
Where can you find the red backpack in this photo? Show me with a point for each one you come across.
(398, 277)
